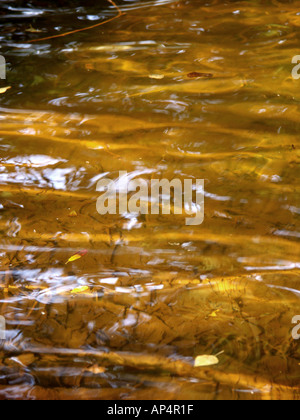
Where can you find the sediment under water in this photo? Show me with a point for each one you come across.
(149, 294)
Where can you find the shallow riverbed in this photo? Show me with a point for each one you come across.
(150, 294)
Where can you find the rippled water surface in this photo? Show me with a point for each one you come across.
(127, 320)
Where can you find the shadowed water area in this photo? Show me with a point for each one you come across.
(150, 294)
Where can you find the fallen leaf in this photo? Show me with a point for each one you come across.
(73, 258)
(196, 75)
(79, 290)
(96, 370)
(37, 80)
(10, 30)
(214, 314)
(73, 214)
(90, 66)
(77, 256)
(5, 89)
(157, 76)
(202, 361)
(32, 30)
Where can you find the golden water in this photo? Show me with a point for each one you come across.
(158, 293)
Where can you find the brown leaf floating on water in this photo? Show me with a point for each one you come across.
(196, 75)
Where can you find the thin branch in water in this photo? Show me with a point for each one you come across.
(120, 13)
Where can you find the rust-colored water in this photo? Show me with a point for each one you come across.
(127, 320)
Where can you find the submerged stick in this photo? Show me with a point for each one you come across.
(120, 13)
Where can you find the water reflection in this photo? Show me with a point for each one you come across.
(127, 319)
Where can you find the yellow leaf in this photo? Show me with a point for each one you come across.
(74, 258)
(202, 361)
(81, 289)
(73, 214)
(214, 314)
(5, 89)
(77, 256)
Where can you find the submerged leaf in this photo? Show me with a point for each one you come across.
(81, 289)
(96, 370)
(214, 314)
(73, 214)
(32, 30)
(77, 256)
